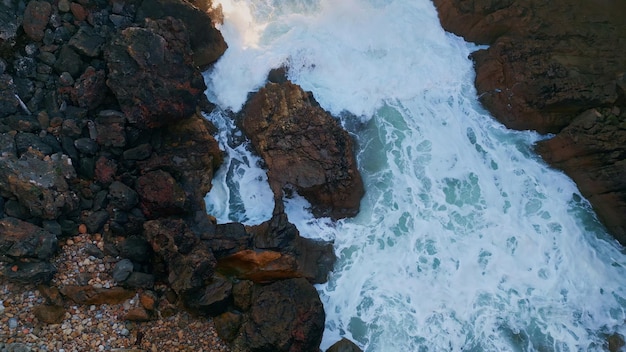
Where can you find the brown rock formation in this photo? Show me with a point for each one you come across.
(549, 62)
(304, 148)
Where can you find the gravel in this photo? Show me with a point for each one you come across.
(95, 327)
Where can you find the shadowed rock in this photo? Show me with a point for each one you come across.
(20, 239)
(152, 74)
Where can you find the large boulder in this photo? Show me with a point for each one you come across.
(152, 74)
(206, 41)
(285, 316)
(303, 147)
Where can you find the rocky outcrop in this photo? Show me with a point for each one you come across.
(151, 73)
(303, 147)
(101, 131)
(549, 63)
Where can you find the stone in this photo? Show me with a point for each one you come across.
(24, 141)
(139, 280)
(148, 300)
(259, 266)
(206, 41)
(344, 345)
(20, 239)
(8, 102)
(79, 12)
(39, 183)
(136, 248)
(105, 170)
(228, 239)
(140, 152)
(285, 316)
(9, 24)
(36, 17)
(160, 194)
(122, 270)
(303, 147)
(88, 295)
(212, 299)
(110, 129)
(86, 146)
(30, 272)
(227, 325)
(49, 314)
(146, 67)
(96, 220)
(122, 196)
(51, 295)
(190, 263)
(87, 42)
(68, 61)
(89, 89)
(137, 314)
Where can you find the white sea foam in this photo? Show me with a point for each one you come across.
(465, 239)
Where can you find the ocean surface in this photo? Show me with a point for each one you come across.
(466, 240)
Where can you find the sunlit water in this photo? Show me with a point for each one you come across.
(466, 240)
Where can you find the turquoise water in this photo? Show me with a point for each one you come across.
(466, 240)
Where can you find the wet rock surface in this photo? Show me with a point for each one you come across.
(101, 135)
(549, 66)
(304, 147)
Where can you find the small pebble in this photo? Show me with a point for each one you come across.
(12, 323)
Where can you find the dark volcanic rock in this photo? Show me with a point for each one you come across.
(206, 42)
(20, 239)
(30, 272)
(304, 148)
(39, 183)
(285, 316)
(152, 74)
(90, 88)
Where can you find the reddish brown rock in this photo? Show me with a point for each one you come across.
(160, 194)
(36, 17)
(137, 314)
(79, 12)
(49, 314)
(259, 266)
(91, 295)
(20, 239)
(90, 88)
(554, 66)
(586, 150)
(304, 148)
(105, 170)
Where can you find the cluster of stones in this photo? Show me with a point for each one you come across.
(101, 132)
(557, 67)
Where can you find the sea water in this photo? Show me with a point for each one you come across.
(466, 240)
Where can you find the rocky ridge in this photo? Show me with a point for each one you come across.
(557, 67)
(101, 132)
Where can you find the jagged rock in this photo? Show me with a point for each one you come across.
(189, 151)
(190, 262)
(92, 295)
(39, 183)
(9, 23)
(206, 42)
(30, 272)
(122, 196)
(8, 102)
(36, 17)
(87, 42)
(20, 239)
(259, 266)
(68, 61)
(344, 345)
(587, 151)
(89, 89)
(547, 63)
(110, 129)
(160, 194)
(304, 148)
(212, 299)
(285, 316)
(151, 72)
(227, 239)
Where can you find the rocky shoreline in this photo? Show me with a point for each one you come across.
(557, 67)
(105, 161)
(105, 158)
